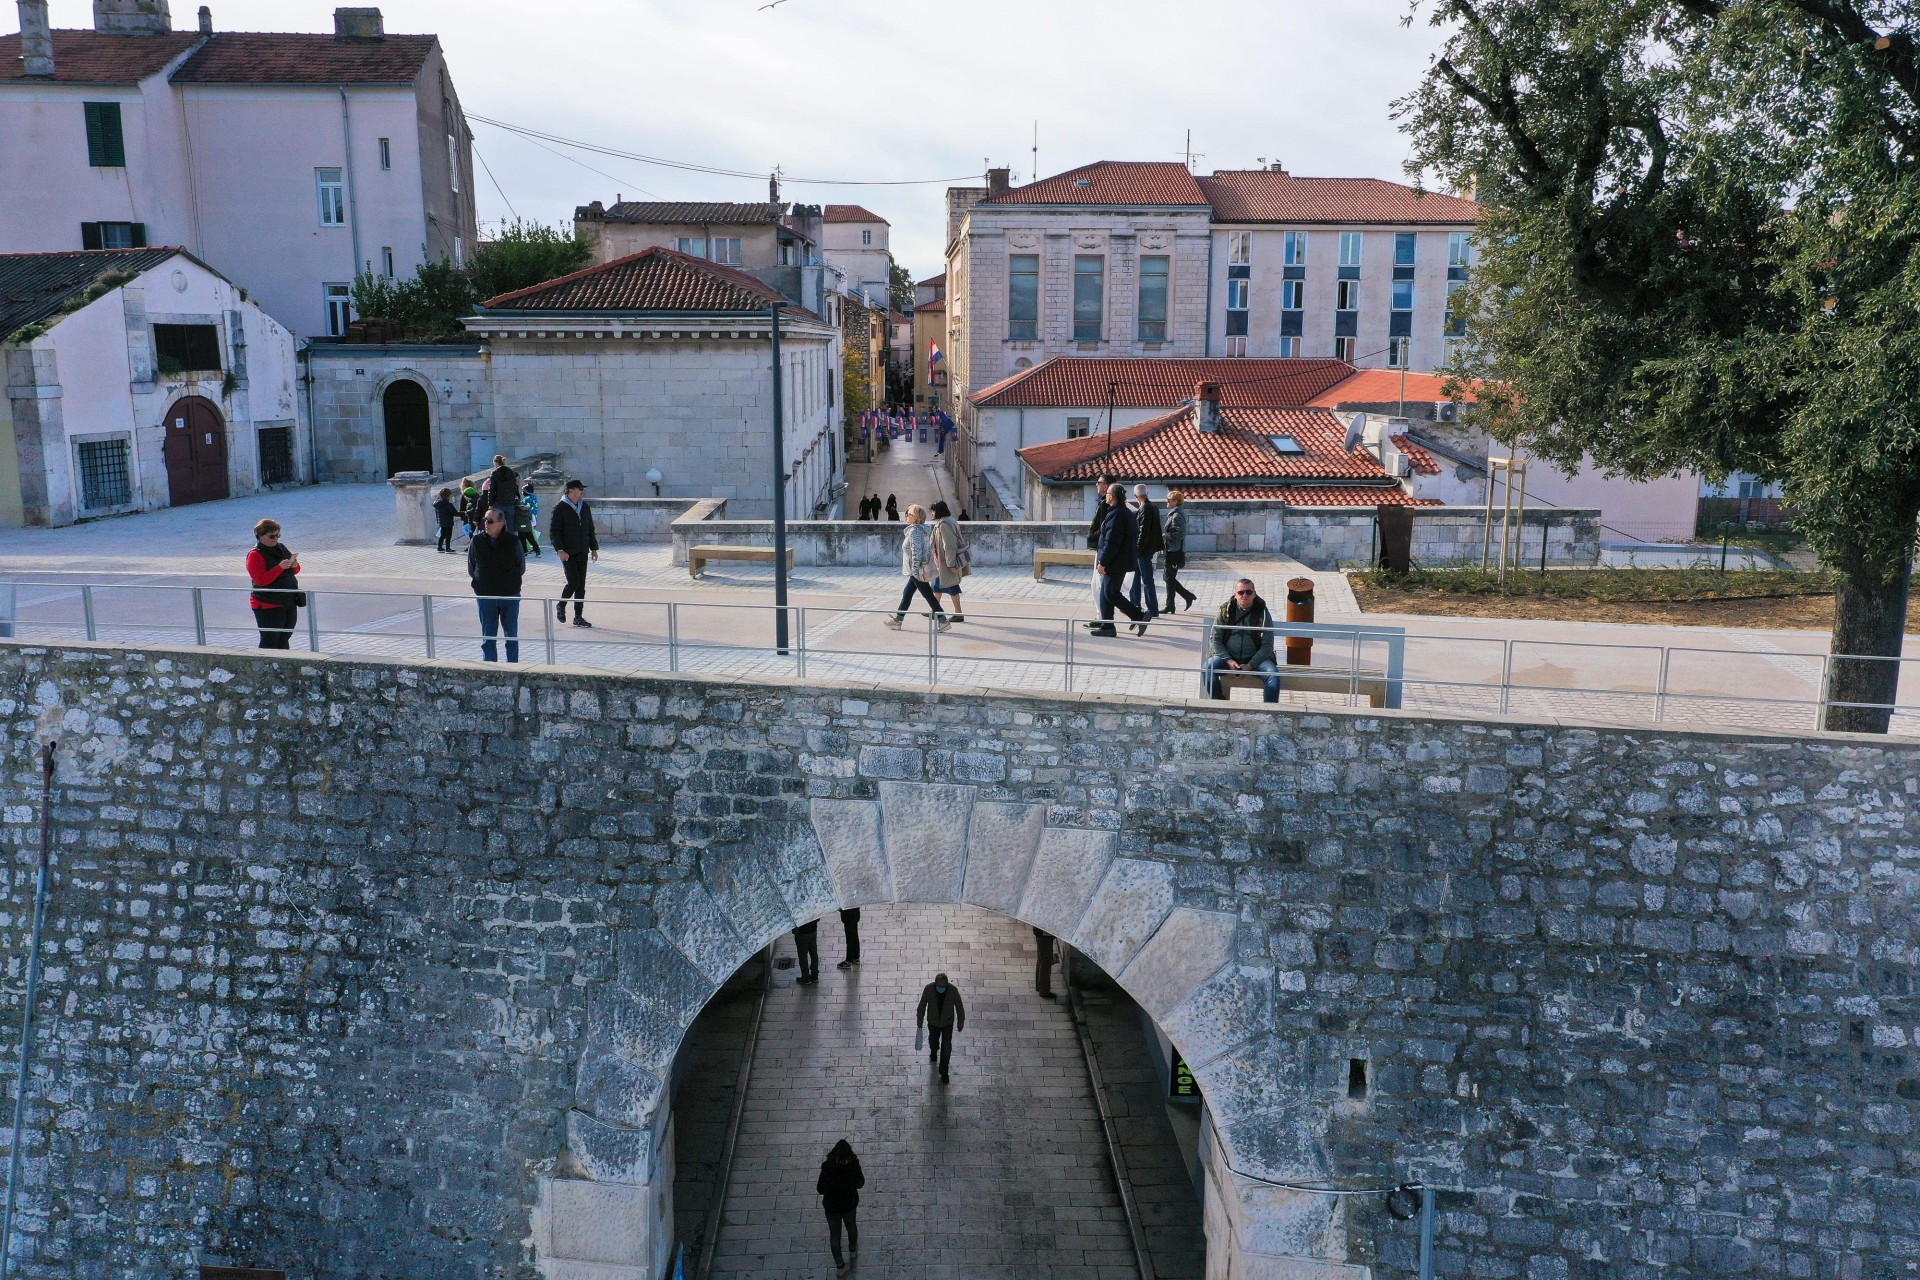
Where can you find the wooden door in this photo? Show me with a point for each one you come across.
(195, 452)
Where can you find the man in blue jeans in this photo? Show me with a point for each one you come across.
(496, 565)
(1242, 641)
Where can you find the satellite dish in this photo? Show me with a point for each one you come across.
(1355, 426)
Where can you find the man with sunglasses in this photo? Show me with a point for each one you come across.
(496, 565)
(1242, 641)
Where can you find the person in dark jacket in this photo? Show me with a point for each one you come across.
(497, 565)
(274, 572)
(893, 507)
(1043, 963)
(806, 942)
(945, 1014)
(572, 536)
(839, 1189)
(503, 489)
(447, 513)
(1242, 641)
(850, 921)
(1100, 510)
(1114, 559)
(1174, 530)
(1148, 544)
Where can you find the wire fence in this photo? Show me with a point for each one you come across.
(1758, 685)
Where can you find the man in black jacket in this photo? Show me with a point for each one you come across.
(1146, 523)
(572, 536)
(1100, 510)
(839, 1186)
(945, 1013)
(496, 565)
(1115, 557)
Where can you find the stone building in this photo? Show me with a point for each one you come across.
(776, 243)
(929, 336)
(854, 240)
(136, 379)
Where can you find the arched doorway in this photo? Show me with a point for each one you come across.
(409, 427)
(196, 452)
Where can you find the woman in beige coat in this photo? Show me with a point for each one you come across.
(951, 560)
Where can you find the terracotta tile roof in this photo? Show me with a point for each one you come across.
(684, 212)
(1150, 382)
(930, 280)
(39, 286)
(1382, 386)
(1171, 449)
(93, 57)
(1423, 462)
(651, 280)
(938, 304)
(1306, 495)
(1263, 195)
(850, 213)
(1112, 182)
(260, 57)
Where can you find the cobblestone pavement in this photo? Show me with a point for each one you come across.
(1001, 1173)
(911, 472)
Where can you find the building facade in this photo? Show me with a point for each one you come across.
(854, 240)
(136, 379)
(290, 162)
(776, 243)
(929, 338)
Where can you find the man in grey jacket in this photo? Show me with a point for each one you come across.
(1242, 641)
(944, 1013)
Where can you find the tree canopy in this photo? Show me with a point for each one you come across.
(1701, 251)
(430, 305)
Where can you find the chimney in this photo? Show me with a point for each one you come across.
(999, 182)
(206, 21)
(1276, 167)
(132, 17)
(773, 188)
(36, 38)
(1206, 407)
(358, 24)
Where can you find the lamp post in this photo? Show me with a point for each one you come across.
(1388, 350)
(779, 488)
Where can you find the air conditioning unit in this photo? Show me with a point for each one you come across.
(1402, 465)
(1446, 411)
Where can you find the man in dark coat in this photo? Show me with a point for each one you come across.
(944, 1013)
(572, 536)
(1100, 510)
(1150, 543)
(496, 566)
(839, 1189)
(1115, 557)
(503, 488)
(806, 942)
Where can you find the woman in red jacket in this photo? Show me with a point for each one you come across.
(276, 590)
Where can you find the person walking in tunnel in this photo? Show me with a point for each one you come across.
(850, 921)
(945, 1015)
(806, 941)
(893, 507)
(839, 1189)
(1043, 963)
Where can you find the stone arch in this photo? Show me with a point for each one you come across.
(377, 411)
(939, 844)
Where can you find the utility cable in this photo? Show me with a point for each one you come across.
(496, 183)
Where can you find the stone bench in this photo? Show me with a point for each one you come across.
(1045, 556)
(697, 557)
(1370, 684)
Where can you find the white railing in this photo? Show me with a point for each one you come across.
(1764, 687)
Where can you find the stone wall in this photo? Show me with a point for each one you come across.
(347, 385)
(335, 952)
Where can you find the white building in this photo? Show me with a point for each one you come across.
(291, 162)
(136, 379)
(855, 240)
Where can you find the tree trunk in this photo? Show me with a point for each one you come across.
(1869, 622)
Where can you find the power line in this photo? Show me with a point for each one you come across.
(496, 183)
(561, 155)
(716, 170)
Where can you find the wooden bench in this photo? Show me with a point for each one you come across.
(1044, 556)
(1371, 685)
(697, 557)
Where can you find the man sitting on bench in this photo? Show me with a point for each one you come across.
(1242, 641)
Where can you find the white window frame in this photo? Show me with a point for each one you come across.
(1397, 349)
(1237, 345)
(331, 192)
(866, 236)
(1346, 295)
(460, 252)
(1290, 348)
(453, 161)
(1238, 292)
(1352, 248)
(692, 246)
(1398, 287)
(1293, 249)
(1293, 295)
(1079, 428)
(725, 250)
(1459, 249)
(1345, 349)
(1239, 248)
(338, 299)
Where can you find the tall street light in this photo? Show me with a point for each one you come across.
(779, 488)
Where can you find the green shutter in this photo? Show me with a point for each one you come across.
(139, 235)
(90, 235)
(106, 144)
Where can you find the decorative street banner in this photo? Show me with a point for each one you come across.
(1181, 1084)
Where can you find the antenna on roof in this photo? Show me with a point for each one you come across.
(1036, 153)
(1191, 154)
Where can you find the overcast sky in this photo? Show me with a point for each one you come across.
(884, 90)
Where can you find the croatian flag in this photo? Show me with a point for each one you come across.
(933, 354)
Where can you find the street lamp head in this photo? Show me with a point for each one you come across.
(654, 478)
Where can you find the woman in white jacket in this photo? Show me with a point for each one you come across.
(916, 562)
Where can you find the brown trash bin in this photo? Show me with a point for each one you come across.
(1396, 538)
(1299, 609)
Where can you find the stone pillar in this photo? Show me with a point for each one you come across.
(413, 509)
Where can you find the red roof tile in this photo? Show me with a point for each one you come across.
(1382, 386)
(850, 213)
(1112, 182)
(1171, 449)
(651, 280)
(1306, 495)
(1264, 195)
(938, 304)
(1150, 382)
(93, 57)
(683, 212)
(1423, 462)
(930, 280)
(261, 57)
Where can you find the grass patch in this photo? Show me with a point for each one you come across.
(1609, 586)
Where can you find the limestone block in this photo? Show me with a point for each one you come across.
(1225, 1011)
(1248, 1265)
(925, 827)
(799, 868)
(563, 1269)
(1290, 1235)
(625, 1025)
(1002, 839)
(742, 883)
(615, 1090)
(849, 832)
(1133, 898)
(596, 1222)
(693, 920)
(655, 973)
(1260, 1085)
(1190, 947)
(609, 1153)
(1066, 871)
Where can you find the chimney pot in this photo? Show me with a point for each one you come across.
(1206, 407)
(206, 21)
(358, 24)
(36, 38)
(132, 17)
(999, 182)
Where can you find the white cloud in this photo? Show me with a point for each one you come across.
(892, 89)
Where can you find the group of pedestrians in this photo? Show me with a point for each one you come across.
(1125, 539)
(934, 559)
(871, 508)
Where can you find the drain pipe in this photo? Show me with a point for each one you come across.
(26, 1006)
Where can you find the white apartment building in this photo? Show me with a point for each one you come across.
(855, 240)
(289, 162)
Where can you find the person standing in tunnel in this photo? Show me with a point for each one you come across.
(1043, 963)
(806, 944)
(945, 1014)
(850, 921)
(839, 1188)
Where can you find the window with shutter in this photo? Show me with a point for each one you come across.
(106, 145)
(90, 235)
